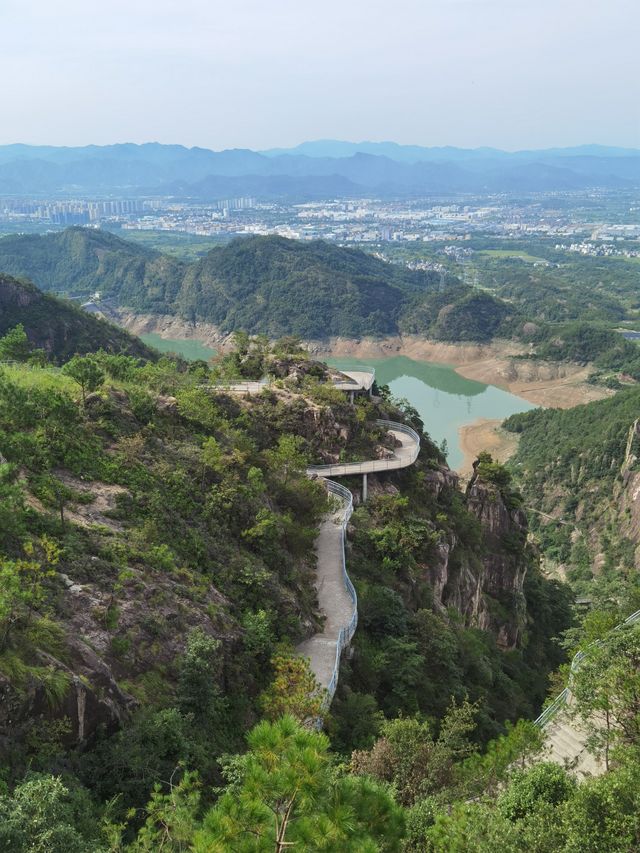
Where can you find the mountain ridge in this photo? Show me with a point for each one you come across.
(373, 167)
(262, 284)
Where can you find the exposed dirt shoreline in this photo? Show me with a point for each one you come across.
(546, 383)
(485, 434)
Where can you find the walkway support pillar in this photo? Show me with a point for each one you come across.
(364, 489)
(351, 397)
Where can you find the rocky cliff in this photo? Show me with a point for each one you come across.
(485, 587)
(484, 583)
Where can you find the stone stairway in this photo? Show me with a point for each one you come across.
(566, 745)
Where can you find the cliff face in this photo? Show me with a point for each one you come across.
(628, 494)
(484, 583)
(485, 587)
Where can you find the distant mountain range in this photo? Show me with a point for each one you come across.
(313, 170)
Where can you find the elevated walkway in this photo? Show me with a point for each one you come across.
(336, 594)
(357, 380)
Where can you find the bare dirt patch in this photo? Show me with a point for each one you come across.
(95, 511)
(485, 434)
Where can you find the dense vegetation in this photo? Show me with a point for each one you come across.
(572, 467)
(266, 285)
(58, 327)
(156, 542)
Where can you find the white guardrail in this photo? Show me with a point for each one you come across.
(256, 385)
(346, 633)
(563, 698)
(373, 465)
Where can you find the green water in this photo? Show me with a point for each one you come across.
(444, 399)
(191, 350)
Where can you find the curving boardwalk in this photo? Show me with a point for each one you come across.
(358, 380)
(336, 594)
(406, 453)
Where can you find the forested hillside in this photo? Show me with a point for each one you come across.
(81, 261)
(267, 285)
(157, 558)
(578, 468)
(57, 327)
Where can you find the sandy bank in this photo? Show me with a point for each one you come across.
(173, 328)
(485, 434)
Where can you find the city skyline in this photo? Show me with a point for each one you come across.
(495, 73)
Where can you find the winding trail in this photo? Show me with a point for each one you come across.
(337, 597)
(336, 594)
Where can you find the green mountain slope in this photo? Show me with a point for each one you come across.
(59, 327)
(84, 260)
(280, 286)
(578, 469)
(267, 285)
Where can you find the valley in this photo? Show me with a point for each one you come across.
(194, 580)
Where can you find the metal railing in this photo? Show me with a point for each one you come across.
(346, 633)
(563, 698)
(371, 466)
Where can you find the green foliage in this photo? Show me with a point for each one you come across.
(44, 816)
(86, 372)
(542, 784)
(294, 691)
(200, 670)
(568, 465)
(15, 346)
(289, 794)
(265, 285)
(55, 328)
(459, 314)
(412, 761)
(542, 810)
(606, 688)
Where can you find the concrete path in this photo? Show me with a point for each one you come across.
(359, 380)
(333, 598)
(565, 738)
(566, 745)
(405, 454)
(337, 602)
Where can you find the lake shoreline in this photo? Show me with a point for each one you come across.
(544, 383)
(484, 434)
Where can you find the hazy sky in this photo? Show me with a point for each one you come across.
(263, 73)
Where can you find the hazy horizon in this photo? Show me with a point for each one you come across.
(466, 73)
(354, 142)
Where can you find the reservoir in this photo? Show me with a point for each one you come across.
(191, 350)
(444, 400)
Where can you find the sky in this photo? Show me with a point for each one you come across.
(273, 73)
